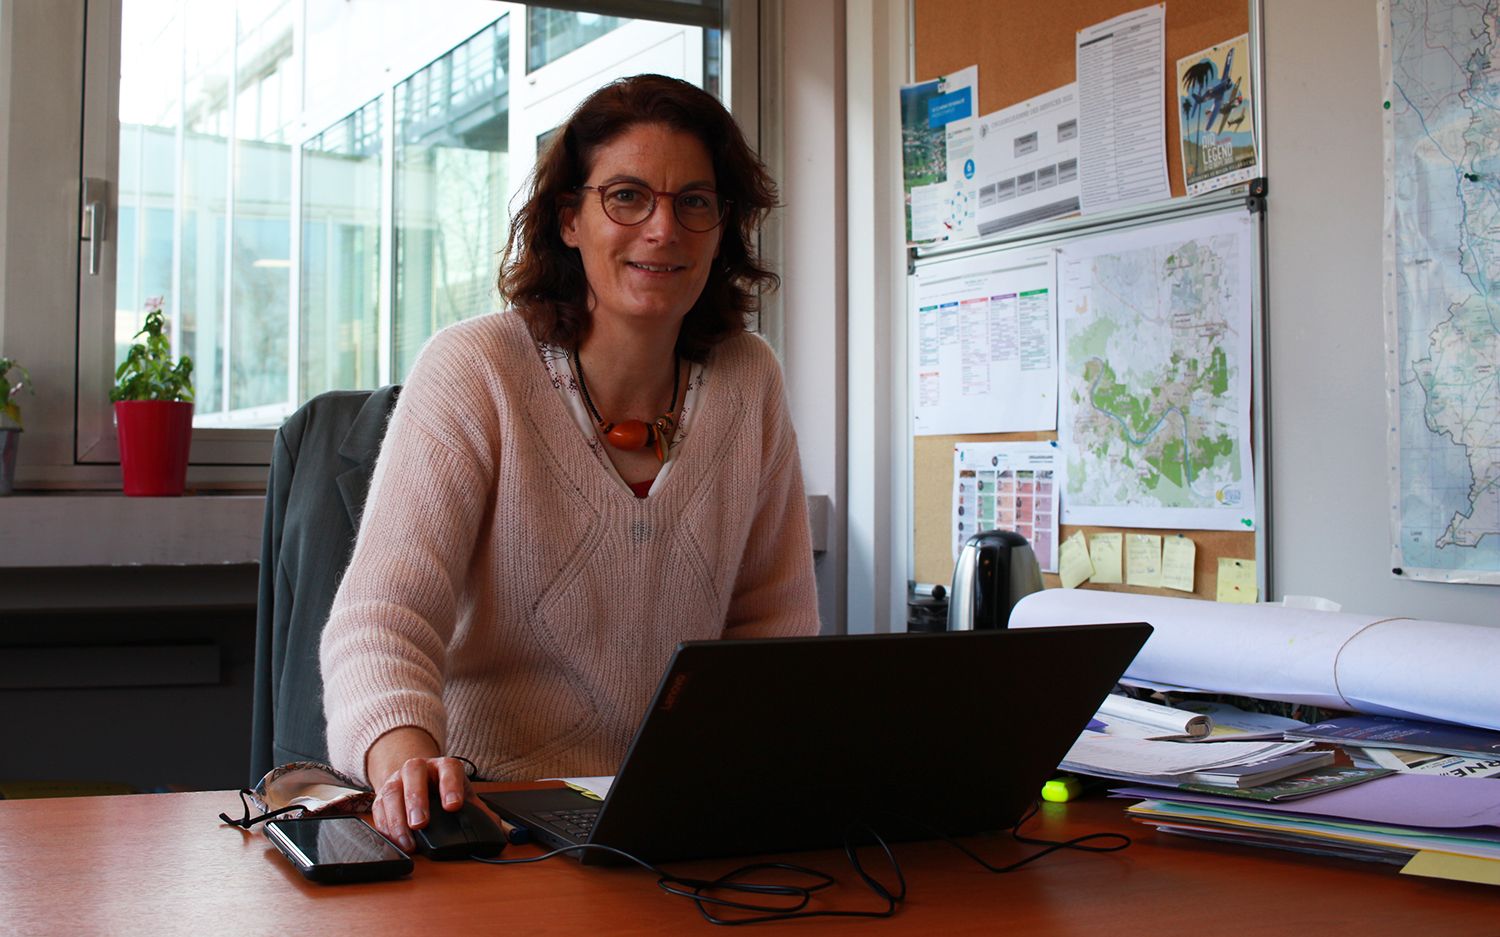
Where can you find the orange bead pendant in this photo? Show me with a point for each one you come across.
(629, 436)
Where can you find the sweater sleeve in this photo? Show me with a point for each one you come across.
(383, 650)
(775, 593)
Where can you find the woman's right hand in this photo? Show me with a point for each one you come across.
(403, 765)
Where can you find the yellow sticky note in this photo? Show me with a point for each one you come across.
(1143, 560)
(1073, 561)
(1104, 554)
(1237, 581)
(1458, 868)
(1177, 554)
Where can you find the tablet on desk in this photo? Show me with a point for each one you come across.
(775, 745)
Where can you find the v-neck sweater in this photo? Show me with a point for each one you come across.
(509, 598)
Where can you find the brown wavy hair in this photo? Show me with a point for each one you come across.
(542, 278)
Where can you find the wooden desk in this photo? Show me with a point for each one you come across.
(164, 864)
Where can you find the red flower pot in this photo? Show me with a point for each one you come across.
(155, 436)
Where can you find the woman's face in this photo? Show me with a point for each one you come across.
(654, 270)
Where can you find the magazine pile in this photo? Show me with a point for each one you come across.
(1420, 795)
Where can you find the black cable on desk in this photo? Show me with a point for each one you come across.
(699, 890)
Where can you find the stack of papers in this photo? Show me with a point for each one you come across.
(1293, 787)
(1136, 740)
(1411, 745)
(1397, 759)
(1431, 825)
(1175, 763)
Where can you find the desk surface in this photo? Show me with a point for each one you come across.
(105, 865)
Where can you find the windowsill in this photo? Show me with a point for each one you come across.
(52, 529)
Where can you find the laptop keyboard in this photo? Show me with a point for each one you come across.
(576, 823)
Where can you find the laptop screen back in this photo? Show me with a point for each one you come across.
(764, 746)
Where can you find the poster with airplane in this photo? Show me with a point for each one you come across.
(1216, 117)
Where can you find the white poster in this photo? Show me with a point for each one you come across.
(1028, 162)
(984, 348)
(1122, 78)
(1156, 333)
(1008, 486)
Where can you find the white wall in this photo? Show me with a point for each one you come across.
(1330, 531)
(813, 290)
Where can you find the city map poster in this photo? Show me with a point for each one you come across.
(1216, 117)
(937, 158)
(1442, 266)
(1156, 325)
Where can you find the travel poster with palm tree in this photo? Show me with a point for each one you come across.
(1216, 117)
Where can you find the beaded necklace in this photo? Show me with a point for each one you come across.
(634, 434)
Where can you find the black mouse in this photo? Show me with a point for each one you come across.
(460, 834)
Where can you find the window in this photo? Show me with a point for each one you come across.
(315, 186)
(552, 34)
(452, 186)
(340, 274)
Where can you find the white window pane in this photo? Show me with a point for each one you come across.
(452, 180)
(261, 226)
(341, 242)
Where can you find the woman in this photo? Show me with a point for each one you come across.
(570, 488)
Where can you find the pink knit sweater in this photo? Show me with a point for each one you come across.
(507, 596)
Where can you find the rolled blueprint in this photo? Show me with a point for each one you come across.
(1368, 663)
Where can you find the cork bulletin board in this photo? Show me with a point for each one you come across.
(1024, 49)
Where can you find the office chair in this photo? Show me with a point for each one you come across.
(321, 467)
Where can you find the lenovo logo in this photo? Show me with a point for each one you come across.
(670, 699)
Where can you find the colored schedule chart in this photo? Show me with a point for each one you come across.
(984, 347)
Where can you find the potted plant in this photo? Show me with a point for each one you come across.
(153, 401)
(10, 413)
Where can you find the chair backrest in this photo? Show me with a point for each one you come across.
(321, 467)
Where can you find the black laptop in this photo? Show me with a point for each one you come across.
(766, 746)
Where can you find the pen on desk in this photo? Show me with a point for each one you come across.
(515, 835)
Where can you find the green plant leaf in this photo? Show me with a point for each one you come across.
(8, 404)
(147, 373)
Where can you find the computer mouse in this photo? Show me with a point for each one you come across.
(465, 833)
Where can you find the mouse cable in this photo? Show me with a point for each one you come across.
(1077, 842)
(699, 890)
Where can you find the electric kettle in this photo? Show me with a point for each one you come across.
(995, 570)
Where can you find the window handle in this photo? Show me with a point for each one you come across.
(95, 213)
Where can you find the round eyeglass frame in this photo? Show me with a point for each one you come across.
(656, 196)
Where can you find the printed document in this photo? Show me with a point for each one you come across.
(1008, 486)
(1122, 122)
(1028, 162)
(938, 168)
(985, 344)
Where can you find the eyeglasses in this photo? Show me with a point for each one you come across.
(630, 203)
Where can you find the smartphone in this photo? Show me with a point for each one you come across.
(338, 849)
